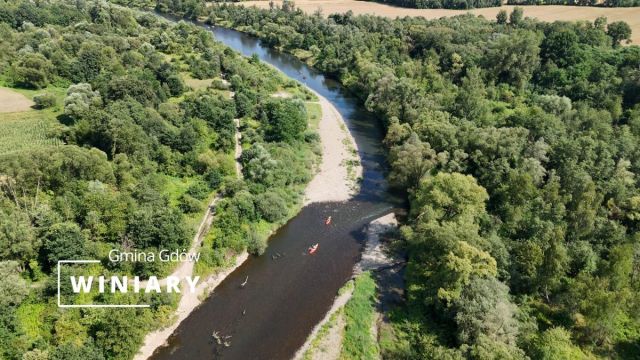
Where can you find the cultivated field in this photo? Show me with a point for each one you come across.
(21, 127)
(11, 101)
(25, 130)
(545, 13)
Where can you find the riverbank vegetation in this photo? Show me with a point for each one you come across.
(358, 341)
(120, 153)
(516, 142)
(475, 4)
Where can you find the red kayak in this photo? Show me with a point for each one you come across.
(328, 221)
(313, 249)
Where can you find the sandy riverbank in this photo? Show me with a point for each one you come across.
(333, 182)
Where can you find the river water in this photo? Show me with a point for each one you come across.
(284, 298)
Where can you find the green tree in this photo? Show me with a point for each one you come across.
(13, 288)
(271, 206)
(64, 241)
(555, 344)
(287, 120)
(471, 102)
(501, 17)
(18, 239)
(80, 97)
(516, 17)
(619, 31)
(484, 309)
(32, 71)
(410, 161)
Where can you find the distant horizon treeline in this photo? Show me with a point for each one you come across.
(476, 4)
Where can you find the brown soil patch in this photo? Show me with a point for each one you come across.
(11, 101)
(544, 13)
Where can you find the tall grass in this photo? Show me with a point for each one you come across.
(358, 342)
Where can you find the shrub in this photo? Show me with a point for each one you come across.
(257, 244)
(199, 190)
(44, 100)
(271, 206)
(189, 204)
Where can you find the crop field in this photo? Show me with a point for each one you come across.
(23, 130)
(544, 13)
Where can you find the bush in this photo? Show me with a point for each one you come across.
(44, 100)
(199, 190)
(257, 244)
(219, 84)
(189, 204)
(271, 206)
(176, 85)
(213, 178)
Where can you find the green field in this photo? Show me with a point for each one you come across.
(24, 130)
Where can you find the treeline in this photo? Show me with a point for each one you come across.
(516, 141)
(443, 4)
(473, 4)
(605, 3)
(144, 154)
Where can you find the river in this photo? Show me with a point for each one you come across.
(284, 298)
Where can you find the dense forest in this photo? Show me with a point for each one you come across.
(142, 113)
(443, 4)
(605, 3)
(517, 144)
(472, 4)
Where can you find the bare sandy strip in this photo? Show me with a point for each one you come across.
(330, 345)
(332, 182)
(544, 13)
(374, 256)
(11, 101)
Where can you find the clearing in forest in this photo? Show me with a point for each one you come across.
(12, 101)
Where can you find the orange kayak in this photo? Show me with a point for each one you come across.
(313, 248)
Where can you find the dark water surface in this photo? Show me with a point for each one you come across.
(284, 298)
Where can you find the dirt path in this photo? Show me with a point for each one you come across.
(333, 181)
(544, 13)
(11, 101)
(238, 148)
